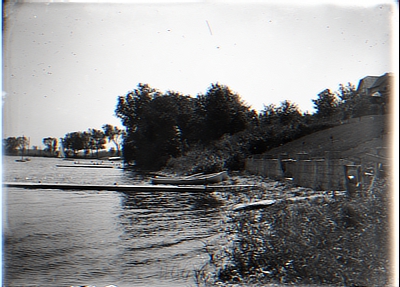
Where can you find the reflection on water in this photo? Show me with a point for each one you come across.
(64, 238)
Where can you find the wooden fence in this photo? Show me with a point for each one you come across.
(327, 173)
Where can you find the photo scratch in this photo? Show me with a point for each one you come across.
(209, 28)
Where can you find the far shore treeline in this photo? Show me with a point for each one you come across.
(210, 132)
(91, 142)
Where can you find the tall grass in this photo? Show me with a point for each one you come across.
(326, 241)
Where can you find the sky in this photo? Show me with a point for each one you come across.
(65, 64)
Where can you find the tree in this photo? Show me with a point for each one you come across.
(224, 113)
(268, 115)
(74, 142)
(131, 109)
(348, 100)
(89, 144)
(158, 126)
(23, 144)
(115, 135)
(152, 124)
(288, 114)
(98, 140)
(10, 145)
(51, 145)
(131, 106)
(326, 105)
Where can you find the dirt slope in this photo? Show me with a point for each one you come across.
(350, 139)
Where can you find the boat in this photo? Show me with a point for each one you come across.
(23, 142)
(61, 153)
(23, 159)
(196, 179)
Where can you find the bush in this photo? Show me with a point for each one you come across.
(224, 154)
(197, 160)
(321, 242)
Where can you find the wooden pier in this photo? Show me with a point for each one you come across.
(128, 188)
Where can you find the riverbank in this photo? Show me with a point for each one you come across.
(327, 240)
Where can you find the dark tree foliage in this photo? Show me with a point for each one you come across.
(352, 104)
(287, 114)
(97, 140)
(224, 113)
(132, 109)
(159, 126)
(114, 134)
(161, 136)
(216, 130)
(74, 142)
(326, 104)
(162, 126)
(23, 144)
(51, 144)
(347, 105)
(10, 145)
(87, 141)
(277, 125)
(13, 145)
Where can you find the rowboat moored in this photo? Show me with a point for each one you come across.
(192, 180)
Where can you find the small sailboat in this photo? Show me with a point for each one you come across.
(23, 159)
(61, 153)
(23, 143)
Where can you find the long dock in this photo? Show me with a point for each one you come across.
(87, 165)
(128, 188)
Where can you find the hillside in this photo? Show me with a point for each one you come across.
(351, 139)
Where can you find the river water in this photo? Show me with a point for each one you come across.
(99, 238)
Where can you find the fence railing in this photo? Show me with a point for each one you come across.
(328, 173)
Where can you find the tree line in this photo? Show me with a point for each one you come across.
(90, 142)
(217, 130)
(209, 132)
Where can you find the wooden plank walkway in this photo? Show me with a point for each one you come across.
(128, 188)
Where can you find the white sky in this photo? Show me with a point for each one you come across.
(66, 63)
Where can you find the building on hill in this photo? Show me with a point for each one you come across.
(381, 87)
(377, 89)
(375, 86)
(365, 83)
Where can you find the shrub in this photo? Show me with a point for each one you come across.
(197, 160)
(326, 241)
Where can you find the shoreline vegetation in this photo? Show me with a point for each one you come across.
(330, 240)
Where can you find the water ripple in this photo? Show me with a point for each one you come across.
(99, 238)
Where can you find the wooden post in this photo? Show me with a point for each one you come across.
(281, 167)
(377, 172)
(352, 181)
(359, 178)
(349, 188)
(328, 170)
(314, 174)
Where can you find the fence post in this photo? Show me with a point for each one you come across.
(298, 177)
(353, 182)
(316, 174)
(349, 188)
(328, 170)
(281, 167)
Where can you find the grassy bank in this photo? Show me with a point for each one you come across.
(333, 241)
